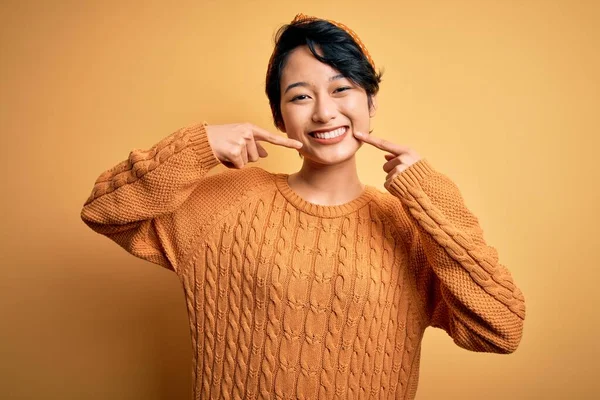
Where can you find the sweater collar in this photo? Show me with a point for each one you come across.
(327, 211)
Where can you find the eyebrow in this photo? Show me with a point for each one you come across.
(293, 85)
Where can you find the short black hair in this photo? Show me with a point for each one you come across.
(339, 50)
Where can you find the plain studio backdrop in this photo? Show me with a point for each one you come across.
(501, 96)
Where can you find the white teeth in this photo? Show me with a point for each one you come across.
(332, 134)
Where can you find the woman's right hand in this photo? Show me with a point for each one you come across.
(237, 144)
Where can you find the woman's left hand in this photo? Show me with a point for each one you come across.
(399, 159)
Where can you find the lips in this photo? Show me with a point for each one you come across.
(312, 133)
(331, 140)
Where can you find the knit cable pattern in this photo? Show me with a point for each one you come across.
(478, 260)
(292, 300)
(141, 162)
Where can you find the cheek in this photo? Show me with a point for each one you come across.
(287, 112)
(295, 117)
(356, 111)
(356, 105)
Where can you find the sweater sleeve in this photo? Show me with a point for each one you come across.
(135, 203)
(468, 292)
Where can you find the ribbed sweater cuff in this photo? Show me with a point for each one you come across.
(412, 176)
(199, 142)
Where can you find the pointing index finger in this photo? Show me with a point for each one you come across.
(382, 144)
(264, 135)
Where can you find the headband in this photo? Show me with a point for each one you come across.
(301, 18)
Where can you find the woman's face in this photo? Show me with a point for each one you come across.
(315, 96)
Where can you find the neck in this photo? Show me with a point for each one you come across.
(327, 184)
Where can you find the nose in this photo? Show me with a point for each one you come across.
(325, 109)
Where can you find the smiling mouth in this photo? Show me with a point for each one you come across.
(331, 134)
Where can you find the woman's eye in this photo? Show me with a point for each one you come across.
(298, 97)
(303, 96)
(343, 88)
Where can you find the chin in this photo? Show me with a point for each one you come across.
(331, 157)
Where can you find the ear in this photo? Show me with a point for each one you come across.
(373, 108)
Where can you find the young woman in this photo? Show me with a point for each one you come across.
(309, 285)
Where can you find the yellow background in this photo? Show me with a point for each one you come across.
(501, 96)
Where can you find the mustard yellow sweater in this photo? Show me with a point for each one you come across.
(293, 300)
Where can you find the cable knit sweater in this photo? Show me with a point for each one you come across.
(289, 299)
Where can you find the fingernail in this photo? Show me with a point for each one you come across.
(359, 134)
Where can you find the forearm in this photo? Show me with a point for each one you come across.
(469, 293)
(133, 202)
